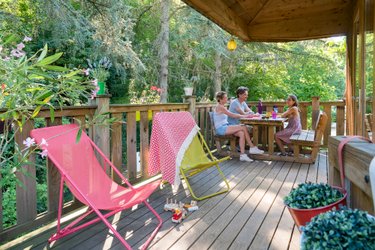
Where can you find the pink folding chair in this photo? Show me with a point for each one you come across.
(87, 180)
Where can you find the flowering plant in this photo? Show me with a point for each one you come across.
(29, 84)
(100, 70)
(148, 95)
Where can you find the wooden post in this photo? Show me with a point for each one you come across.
(26, 194)
(315, 111)
(101, 133)
(192, 101)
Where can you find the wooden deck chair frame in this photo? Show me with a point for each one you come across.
(131, 196)
(188, 170)
(220, 139)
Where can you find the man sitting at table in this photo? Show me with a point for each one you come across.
(239, 106)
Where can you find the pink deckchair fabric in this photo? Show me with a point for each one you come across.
(83, 174)
(172, 133)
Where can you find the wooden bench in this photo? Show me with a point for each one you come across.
(311, 139)
(306, 145)
(221, 141)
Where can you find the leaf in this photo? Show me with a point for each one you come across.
(52, 113)
(50, 59)
(43, 54)
(10, 38)
(73, 73)
(79, 134)
(36, 111)
(55, 68)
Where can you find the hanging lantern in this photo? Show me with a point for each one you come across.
(232, 45)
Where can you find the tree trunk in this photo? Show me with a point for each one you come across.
(217, 76)
(163, 53)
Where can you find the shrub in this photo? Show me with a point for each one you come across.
(312, 195)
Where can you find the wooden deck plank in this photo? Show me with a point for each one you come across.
(220, 216)
(269, 225)
(248, 232)
(169, 239)
(156, 199)
(144, 214)
(284, 230)
(251, 215)
(169, 225)
(224, 240)
(323, 167)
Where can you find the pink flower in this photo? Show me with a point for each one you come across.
(154, 88)
(20, 46)
(27, 39)
(7, 58)
(44, 142)
(158, 90)
(86, 72)
(29, 142)
(17, 53)
(94, 82)
(44, 153)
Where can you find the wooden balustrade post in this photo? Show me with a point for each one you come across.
(340, 120)
(315, 110)
(192, 103)
(101, 133)
(26, 194)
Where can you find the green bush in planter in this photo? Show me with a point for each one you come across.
(312, 195)
(340, 229)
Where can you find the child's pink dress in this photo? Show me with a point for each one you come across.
(294, 127)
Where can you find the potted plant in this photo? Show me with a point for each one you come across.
(189, 86)
(342, 229)
(310, 199)
(100, 72)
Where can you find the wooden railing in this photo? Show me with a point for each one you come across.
(126, 144)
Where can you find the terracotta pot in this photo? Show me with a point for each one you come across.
(302, 216)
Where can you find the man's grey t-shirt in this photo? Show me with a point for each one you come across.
(233, 108)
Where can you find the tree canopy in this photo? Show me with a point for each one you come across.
(128, 33)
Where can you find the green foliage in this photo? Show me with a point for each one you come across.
(343, 229)
(312, 195)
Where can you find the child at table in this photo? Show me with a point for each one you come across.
(294, 124)
(222, 126)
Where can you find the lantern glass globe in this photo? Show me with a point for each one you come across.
(232, 45)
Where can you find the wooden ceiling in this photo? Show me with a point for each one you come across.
(278, 20)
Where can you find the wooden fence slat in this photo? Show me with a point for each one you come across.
(116, 146)
(131, 142)
(144, 143)
(340, 120)
(53, 176)
(327, 131)
(303, 109)
(26, 194)
(201, 118)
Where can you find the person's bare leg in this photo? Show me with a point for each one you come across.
(247, 137)
(279, 144)
(241, 136)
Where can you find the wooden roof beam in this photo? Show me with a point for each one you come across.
(222, 15)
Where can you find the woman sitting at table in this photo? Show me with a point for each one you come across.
(294, 125)
(222, 126)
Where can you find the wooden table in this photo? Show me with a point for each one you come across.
(269, 125)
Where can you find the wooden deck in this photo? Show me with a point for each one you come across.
(250, 216)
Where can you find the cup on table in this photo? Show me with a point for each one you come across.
(274, 115)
